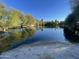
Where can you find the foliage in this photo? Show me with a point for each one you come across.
(74, 3)
(52, 24)
(29, 20)
(73, 18)
(15, 19)
(12, 18)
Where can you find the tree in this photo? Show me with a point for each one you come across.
(74, 3)
(29, 20)
(2, 6)
(73, 18)
(15, 19)
(3, 16)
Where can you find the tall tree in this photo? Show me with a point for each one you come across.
(73, 18)
(15, 19)
(30, 20)
(74, 3)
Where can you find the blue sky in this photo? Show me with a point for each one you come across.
(46, 9)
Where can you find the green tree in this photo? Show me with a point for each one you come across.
(73, 18)
(29, 20)
(14, 19)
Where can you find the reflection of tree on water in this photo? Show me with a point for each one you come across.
(71, 36)
(42, 29)
(14, 38)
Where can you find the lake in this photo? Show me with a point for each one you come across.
(17, 37)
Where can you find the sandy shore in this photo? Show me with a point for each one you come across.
(44, 50)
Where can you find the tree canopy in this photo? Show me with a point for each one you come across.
(14, 18)
(73, 18)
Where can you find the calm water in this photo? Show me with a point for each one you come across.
(15, 38)
(49, 34)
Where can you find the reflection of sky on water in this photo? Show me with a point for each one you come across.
(49, 34)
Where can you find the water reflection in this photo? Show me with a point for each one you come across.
(71, 35)
(14, 38)
(17, 37)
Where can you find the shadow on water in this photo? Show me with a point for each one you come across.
(14, 38)
(71, 35)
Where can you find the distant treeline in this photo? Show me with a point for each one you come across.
(55, 23)
(51, 23)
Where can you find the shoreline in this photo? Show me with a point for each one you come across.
(42, 50)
